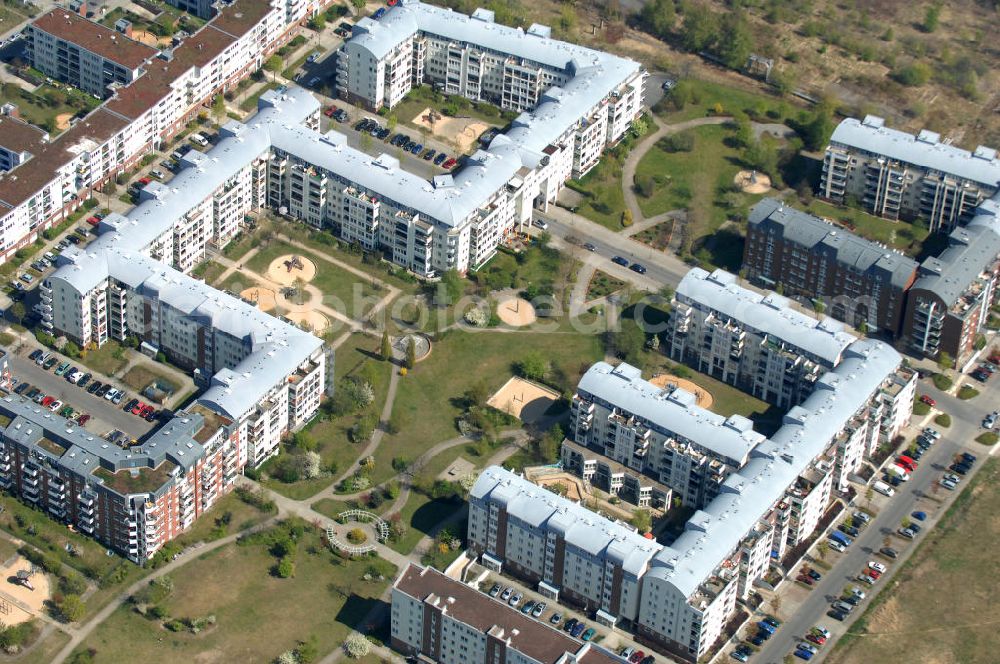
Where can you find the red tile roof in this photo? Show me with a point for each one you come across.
(19, 136)
(96, 38)
(531, 637)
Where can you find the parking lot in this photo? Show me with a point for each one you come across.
(104, 415)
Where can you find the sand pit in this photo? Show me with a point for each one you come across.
(62, 121)
(753, 182)
(515, 311)
(523, 399)
(463, 132)
(705, 399)
(264, 298)
(18, 604)
(314, 320)
(284, 270)
(571, 483)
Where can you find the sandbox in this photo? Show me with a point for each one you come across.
(705, 399)
(285, 270)
(523, 399)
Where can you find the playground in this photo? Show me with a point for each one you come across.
(285, 270)
(705, 399)
(515, 311)
(463, 132)
(752, 182)
(523, 399)
(24, 593)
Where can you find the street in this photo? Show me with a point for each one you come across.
(966, 416)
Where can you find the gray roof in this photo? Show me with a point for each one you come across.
(672, 411)
(85, 452)
(580, 527)
(924, 150)
(822, 339)
(747, 495)
(845, 247)
(971, 250)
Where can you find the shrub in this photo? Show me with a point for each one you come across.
(942, 382)
(988, 438)
(943, 420)
(920, 408)
(357, 646)
(968, 392)
(286, 568)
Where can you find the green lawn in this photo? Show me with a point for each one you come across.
(45, 650)
(250, 103)
(141, 376)
(603, 200)
(425, 97)
(901, 235)
(421, 515)
(258, 615)
(603, 284)
(42, 106)
(210, 271)
(426, 408)
(107, 359)
(343, 290)
(331, 434)
(705, 96)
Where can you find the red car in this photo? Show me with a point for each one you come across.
(330, 111)
(927, 400)
(449, 163)
(874, 573)
(137, 408)
(144, 181)
(804, 578)
(145, 411)
(83, 419)
(93, 221)
(637, 657)
(47, 401)
(818, 639)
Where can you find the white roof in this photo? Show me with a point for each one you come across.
(580, 528)
(822, 339)
(746, 496)
(924, 149)
(672, 411)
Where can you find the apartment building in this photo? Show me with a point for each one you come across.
(515, 69)
(569, 551)
(446, 621)
(949, 303)
(133, 500)
(64, 172)
(901, 176)
(757, 342)
(657, 432)
(615, 478)
(861, 282)
(19, 141)
(85, 54)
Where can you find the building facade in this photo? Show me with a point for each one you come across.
(87, 55)
(756, 342)
(860, 282)
(901, 176)
(446, 621)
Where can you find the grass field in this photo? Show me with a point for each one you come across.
(658, 236)
(140, 376)
(710, 97)
(210, 271)
(604, 200)
(603, 284)
(107, 359)
(426, 408)
(46, 103)
(900, 235)
(940, 606)
(258, 615)
(45, 650)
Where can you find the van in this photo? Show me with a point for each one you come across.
(884, 489)
(898, 471)
(840, 538)
(198, 139)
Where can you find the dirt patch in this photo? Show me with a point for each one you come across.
(752, 182)
(523, 399)
(705, 399)
(263, 298)
(313, 320)
(62, 121)
(285, 270)
(18, 603)
(457, 470)
(573, 491)
(463, 132)
(515, 311)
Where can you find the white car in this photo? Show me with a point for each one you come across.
(836, 546)
(948, 484)
(877, 566)
(111, 394)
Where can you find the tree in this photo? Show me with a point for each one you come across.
(451, 286)
(533, 366)
(318, 23)
(219, 107)
(816, 133)
(357, 646)
(385, 350)
(658, 17)
(286, 567)
(72, 608)
(18, 311)
(358, 4)
(642, 520)
(735, 41)
(273, 65)
(411, 353)
(699, 30)
(945, 360)
(822, 549)
(307, 651)
(931, 18)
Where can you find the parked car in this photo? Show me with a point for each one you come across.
(555, 618)
(740, 655)
(906, 532)
(837, 615)
(449, 163)
(84, 380)
(515, 599)
(578, 629)
(535, 612)
(62, 369)
(638, 267)
(589, 246)
(889, 552)
(618, 260)
(919, 516)
(927, 400)
(440, 159)
(528, 607)
(948, 484)
(130, 405)
(570, 624)
(969, 458)
(540, 223)
(83, 419)
(95, 386)
(588, 634)
(877, 566)
(55, 405)
(636, 656)
(507, 592)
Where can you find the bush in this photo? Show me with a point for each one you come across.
(943, 420)
(942, 382)
(913, 75)
(968, 392)
(988, 438)
(682, 142)
(920, 408)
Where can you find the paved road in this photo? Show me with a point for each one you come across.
(966, 416)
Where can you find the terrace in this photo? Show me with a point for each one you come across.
(136, 480)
